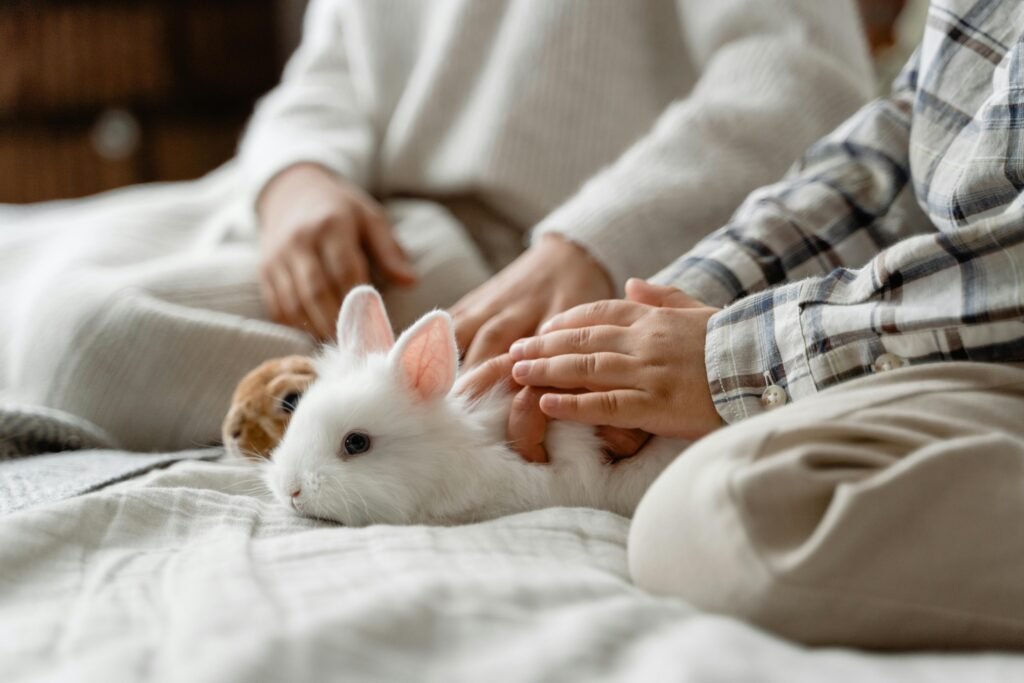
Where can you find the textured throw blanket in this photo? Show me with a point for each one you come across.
(190, 574)
(34, 472)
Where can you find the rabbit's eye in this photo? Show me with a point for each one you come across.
(357, 443)
(290, 401)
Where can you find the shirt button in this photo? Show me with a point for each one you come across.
(888, 361)
(773, 397)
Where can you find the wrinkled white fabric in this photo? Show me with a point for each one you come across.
(184, 576)
(140, 310)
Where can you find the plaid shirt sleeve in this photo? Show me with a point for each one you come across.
(834, 268)
(833, 210)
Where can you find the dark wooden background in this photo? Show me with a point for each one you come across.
(96, 94)
(103, 93)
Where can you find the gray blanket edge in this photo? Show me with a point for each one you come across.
(48, 455)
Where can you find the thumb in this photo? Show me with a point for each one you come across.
(661, 296)
(528, 425)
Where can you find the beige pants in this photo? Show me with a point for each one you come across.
(887, 512)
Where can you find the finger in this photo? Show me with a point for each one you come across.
(576, 340)
(593, 371)
(466, 326)
(269, 296)
(497, 334)
(528, 425)
(619, 408)
(486, 376)
(606, 312)
(356, 270)
(330, 307)
(622, 443)
(314, 292)
(334, 255)
(345, 267)
(385, 250)
(289, 308)
(644, 292)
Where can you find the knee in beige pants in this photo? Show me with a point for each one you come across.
(887, 513)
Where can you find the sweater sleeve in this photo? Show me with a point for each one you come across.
(314, 115)
(774, 76)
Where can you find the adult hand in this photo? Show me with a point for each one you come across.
(639, 366)
(320, 234)
(550, 277)
(527, 425)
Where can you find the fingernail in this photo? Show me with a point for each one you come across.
(521, 369)
(550, 401)
(518, 349)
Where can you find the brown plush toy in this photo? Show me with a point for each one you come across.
(263, 404)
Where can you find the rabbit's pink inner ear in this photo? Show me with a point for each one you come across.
(427, 357)
(363, 325)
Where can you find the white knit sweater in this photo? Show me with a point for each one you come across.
(633, 127)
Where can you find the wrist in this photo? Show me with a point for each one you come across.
(291, 180)
(564, 249)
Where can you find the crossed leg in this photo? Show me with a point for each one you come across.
(886, 513)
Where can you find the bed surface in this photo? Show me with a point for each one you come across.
(187, 573)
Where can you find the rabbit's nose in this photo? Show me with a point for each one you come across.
(295, 499)
(296, 493)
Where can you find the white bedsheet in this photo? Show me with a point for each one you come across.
(185, 576)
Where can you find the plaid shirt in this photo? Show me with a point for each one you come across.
(899, 238)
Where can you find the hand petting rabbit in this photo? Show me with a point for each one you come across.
(380, 437)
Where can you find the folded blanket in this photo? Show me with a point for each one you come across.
(32, 471)
(190, 574)
(27, 482)
(29, 430)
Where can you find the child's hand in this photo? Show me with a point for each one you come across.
(527, 425)
(320, 234)
(641, 365)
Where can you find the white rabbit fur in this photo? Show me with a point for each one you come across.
(435, 457)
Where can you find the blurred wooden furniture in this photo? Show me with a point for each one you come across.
(95, 94)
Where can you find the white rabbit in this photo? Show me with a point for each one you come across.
(380, 437)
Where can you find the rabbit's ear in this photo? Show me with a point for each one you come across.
(426, 357)
(363, 326)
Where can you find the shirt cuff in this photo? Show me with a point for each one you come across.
(755, 354)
